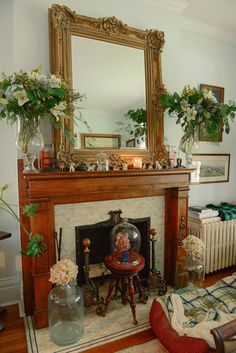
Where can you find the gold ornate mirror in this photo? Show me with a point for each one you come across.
(118, 68)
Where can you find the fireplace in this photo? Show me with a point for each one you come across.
(99, 235)
(52, 190)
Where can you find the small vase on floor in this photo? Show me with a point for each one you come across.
(29, 141)
(65, 313)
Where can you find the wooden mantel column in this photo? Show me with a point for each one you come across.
(50, 189)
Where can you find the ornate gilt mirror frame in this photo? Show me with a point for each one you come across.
(64, 23)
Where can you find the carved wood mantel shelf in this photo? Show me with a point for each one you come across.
(49, 189)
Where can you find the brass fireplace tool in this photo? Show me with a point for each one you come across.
(156, 282)
(91, 295)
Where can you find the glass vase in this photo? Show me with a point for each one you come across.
(65, 314)
(29, 141)
(195, 270)
(188, 140)
(189, 270)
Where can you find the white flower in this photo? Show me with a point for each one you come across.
(58, 110)
(194, 246)
(190, 113)
(21, 96)
(63, 272)
(208, 94)
(184, 104)
(55, 81)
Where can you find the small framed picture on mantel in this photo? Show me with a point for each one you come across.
(218, 92)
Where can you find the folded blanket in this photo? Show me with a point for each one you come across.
(226, 211)
(197, 312)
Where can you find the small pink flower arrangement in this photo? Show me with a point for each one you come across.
(63, 272)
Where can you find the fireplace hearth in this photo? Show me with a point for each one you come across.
(99, 236)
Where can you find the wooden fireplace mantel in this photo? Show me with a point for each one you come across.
(49, 189)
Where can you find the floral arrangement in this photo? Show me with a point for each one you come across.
(63, 272)
(34, 246)
(195, 107)
(194, 246)
(33, 95)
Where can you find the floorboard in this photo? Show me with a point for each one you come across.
(13, 340)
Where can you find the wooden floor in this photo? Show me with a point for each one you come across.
(12, 338)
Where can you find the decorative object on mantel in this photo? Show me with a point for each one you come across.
(71, 161)
(65, 304)
(34, 246)
(118, 162)
(160, 158)
(27, 97)
(195, 108)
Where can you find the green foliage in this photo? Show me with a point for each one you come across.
(139, 116)
(34, 245)
(33, 95)
(199, 107)
(30, 210)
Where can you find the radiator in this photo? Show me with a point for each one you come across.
(220, 242)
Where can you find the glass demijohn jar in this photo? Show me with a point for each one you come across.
(65, 312)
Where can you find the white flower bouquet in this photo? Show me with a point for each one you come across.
(195, 107)
(33, 94)
(63, 272)
(194, 246)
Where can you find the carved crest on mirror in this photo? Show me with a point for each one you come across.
(72, 40)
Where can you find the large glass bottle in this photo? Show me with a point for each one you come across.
(65, 313)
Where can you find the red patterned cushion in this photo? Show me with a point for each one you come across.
(170, 338)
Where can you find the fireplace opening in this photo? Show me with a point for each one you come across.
(99, 236)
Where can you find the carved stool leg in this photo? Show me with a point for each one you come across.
(140, 289)
(124, 290)
(117, 288)
(131, 294)
(101, 309)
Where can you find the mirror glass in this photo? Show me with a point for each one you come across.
(118, 69)
(112, 77)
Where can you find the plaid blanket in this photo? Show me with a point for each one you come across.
(207, 304)
(226, 210)
(195, 313)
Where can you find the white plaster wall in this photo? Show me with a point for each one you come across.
(187, 58)
(10, 261)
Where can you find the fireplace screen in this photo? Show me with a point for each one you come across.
(99, 235)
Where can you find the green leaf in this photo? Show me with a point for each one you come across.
(30, 210)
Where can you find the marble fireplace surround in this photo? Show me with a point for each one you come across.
(49, 190)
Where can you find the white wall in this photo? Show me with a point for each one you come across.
(188, 57)
(10, 262)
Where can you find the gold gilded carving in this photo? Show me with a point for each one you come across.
(111, 25)
(68, 160)
(62, 17)
(155, 40)
(161, 156)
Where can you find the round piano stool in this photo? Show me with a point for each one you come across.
(124, 275)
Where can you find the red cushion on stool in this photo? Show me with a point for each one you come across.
(170, 338)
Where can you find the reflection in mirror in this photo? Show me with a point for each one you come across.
(113, 79)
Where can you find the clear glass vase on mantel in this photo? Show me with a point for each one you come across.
(187, 142)
(29, 141)
(65, 313)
